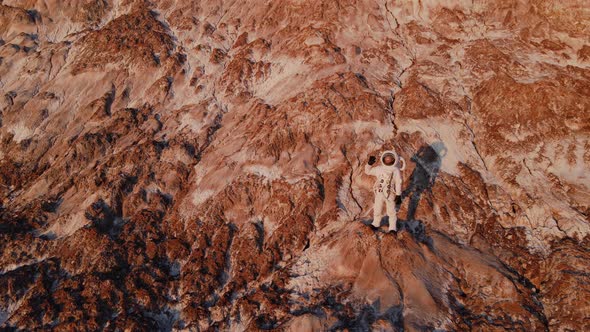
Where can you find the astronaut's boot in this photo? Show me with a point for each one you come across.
(392, 225)
(392, 215)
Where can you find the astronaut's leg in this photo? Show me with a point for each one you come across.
(378, 209)
(390, 207)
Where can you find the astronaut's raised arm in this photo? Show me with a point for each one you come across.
(369, 170)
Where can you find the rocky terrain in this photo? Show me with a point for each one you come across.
(198, 165)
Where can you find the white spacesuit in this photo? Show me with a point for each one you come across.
(387, 186)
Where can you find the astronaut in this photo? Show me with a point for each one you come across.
(387, 187)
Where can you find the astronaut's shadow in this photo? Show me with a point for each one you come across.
(428, 162)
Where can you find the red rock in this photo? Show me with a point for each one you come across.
(199, 165)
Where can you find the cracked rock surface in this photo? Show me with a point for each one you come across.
(198, 165)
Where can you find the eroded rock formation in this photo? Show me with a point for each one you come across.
(198, 165)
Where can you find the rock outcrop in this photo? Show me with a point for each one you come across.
(198, 165)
